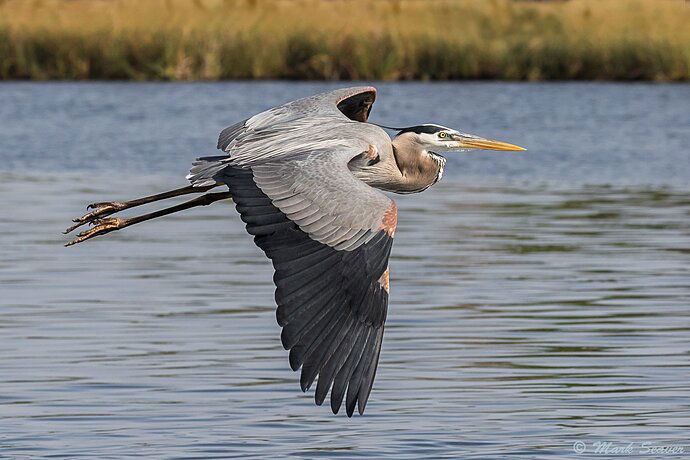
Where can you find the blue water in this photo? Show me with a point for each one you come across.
(577, 133)
(538, 299)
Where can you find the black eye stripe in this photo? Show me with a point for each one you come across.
(428, 129)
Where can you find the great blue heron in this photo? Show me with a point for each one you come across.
(304, 178)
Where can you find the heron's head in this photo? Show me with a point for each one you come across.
(432, 137)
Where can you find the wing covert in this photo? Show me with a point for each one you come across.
(317, 191)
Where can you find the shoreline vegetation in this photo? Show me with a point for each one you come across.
(345, 39)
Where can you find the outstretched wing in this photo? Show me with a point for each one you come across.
(329, 237)
(332, 303)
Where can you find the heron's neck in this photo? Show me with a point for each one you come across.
(419, 169)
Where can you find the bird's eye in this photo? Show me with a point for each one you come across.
(442, 135)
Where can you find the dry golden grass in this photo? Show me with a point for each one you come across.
(345, 39)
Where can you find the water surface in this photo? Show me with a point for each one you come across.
(537, 299)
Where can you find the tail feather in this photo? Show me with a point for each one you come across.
(204, 170)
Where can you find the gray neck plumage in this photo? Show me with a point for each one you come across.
(419, 168)
(407, 168)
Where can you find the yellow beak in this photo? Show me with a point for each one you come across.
(487, 144)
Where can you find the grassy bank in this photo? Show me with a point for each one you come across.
(345, 39)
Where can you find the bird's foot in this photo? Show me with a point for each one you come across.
(101, 227)
(100, 210)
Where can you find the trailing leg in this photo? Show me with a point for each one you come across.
(107, 225)
(106, 208)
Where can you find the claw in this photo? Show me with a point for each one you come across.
(102, 226)
(102, 209)
(115, 205)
